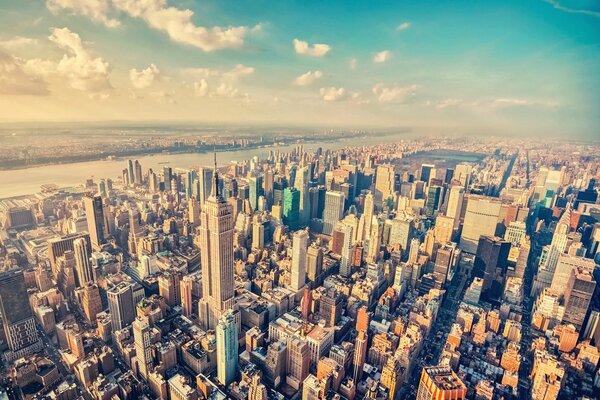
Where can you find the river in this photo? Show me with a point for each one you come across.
(29, 180)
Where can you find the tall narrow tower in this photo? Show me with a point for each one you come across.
(84, 270)
(143, 350)
(216, 249)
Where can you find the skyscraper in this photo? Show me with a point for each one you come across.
(491, 262)
(298, 362)
(444, 260)
(360, 354)
(94, 211)
(390, 376)
(299, 248)
(578, 295)
(334, 210)
(17, 319)
(204, 184)
(367, 217)
(425, 174)
(301, 183)
(121, 305)
(268, 186)
(255, 184)
(434, 193)
(551, 253)
(131, 172)
(314, 263)
(481, 218)
(346, 262)
(216, 246)
(92, 304)
(83, 267)
(137, 173)
(143, 349)
(186, 288)
(455, 203)
(385, 181)
(375, 241)
(227, 348)
(291, 208)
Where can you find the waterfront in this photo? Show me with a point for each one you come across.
(29, 180)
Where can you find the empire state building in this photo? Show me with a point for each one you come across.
(216, 249)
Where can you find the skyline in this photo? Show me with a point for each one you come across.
(501, 68)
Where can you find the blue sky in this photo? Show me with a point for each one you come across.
(499, 67)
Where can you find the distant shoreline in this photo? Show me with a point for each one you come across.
(172, 150)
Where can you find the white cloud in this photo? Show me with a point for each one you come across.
(489, 104)
(394, 94)
(556, 4)
(333, 94)
(201, 87)
(17, 42)
(226, 90)
(144, 78)
(82, 71)
(237, 72)
(15, 80)
(178, 25)
(316, 50)
(450, 102)
(403, 26)
(382, 56)
(503, 101)
(308, 78)
(96, 10)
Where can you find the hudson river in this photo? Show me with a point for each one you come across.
(29, 180)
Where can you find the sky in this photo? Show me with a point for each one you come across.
(488, 67)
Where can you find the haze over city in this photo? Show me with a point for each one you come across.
(299, 200)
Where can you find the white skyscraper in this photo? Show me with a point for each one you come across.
(334, 210)
(455, 202)
(299, 247)
(369, 209)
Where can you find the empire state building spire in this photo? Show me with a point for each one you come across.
(215, 177)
